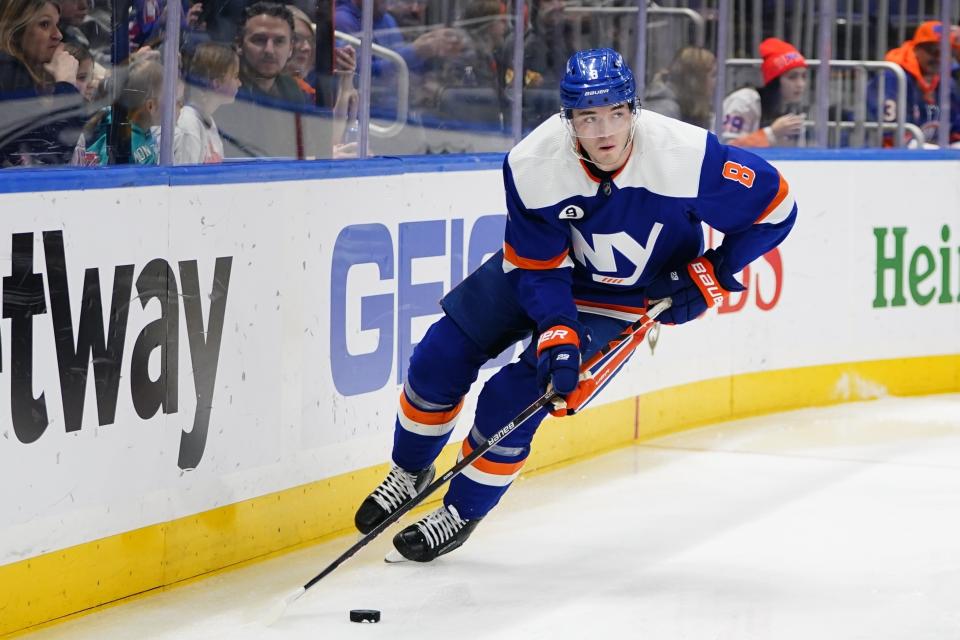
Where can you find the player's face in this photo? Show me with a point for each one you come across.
(604, 132)
(793, 85)
(267, 45)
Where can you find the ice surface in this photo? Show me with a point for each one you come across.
(840, 522)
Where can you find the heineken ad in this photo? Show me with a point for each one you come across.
(166, 350)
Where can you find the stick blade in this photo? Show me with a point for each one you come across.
(279, 608)
(394, 557)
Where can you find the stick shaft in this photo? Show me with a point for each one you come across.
(634, 332)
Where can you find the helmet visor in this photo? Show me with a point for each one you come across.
(601, 122)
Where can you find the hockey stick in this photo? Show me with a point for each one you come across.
(624, 344)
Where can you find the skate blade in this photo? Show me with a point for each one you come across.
(394, 557)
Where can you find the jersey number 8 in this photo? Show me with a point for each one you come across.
(739, 173)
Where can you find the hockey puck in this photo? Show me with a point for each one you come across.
(364, 615)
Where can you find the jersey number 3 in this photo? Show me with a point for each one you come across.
(739, 173)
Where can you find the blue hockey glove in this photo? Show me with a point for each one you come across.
(558, 354)
(704, 283)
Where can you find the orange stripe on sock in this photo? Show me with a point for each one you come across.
(528, 263)
(489, 466)
(777, 199)
(427, 417)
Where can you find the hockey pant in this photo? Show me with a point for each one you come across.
(442, 368)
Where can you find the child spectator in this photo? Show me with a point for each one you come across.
(773, 114)
(685, 90)
(141, 98)
(86, 82)
(213, 78)
(42, 110)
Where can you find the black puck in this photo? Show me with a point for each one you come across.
(364, 615)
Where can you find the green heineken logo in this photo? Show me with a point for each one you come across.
(924, 272)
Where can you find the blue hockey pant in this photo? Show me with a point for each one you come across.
(442, 368)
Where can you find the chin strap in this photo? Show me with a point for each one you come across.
(575, 144)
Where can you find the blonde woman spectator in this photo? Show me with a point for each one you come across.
(301, 64)
(685, 90)
(37, 78)
(301, 68)
(213, 78)
(773, 114)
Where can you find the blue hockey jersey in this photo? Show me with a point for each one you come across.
(574, 243)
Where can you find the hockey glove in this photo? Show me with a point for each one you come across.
(704, 283)
(558, 355)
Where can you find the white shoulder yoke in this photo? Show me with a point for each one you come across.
(667, 158)
(545, 169)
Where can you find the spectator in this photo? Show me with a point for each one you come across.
(72, 15)
(920, 60)
(272, 115)
(432, 45)
(78, 26)
(482, 61)
(266, 45)
(148, 20)
(411, 16)
(481, 65)
(86, 82)
(303, 60)
(221, 19)
(955, 48)
(213, 78)
(140, 97)
(685, 90)
(301, 68)
(772, 115)
(548, 44)
(42, 109)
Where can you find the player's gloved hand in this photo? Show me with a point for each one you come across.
(704, 283)
(558, 354)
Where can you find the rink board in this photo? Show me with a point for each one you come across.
(252, 337)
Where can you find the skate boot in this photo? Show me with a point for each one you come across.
(398, 487)
(435, 534)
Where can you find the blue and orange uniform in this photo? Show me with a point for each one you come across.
(584, 250)
(580, 246)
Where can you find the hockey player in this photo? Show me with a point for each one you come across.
(604, 213)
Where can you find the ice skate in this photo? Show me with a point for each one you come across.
(398, 487)
(439, 532)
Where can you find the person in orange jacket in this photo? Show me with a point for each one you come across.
(920, 59)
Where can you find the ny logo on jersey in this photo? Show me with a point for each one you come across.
(600, 257)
